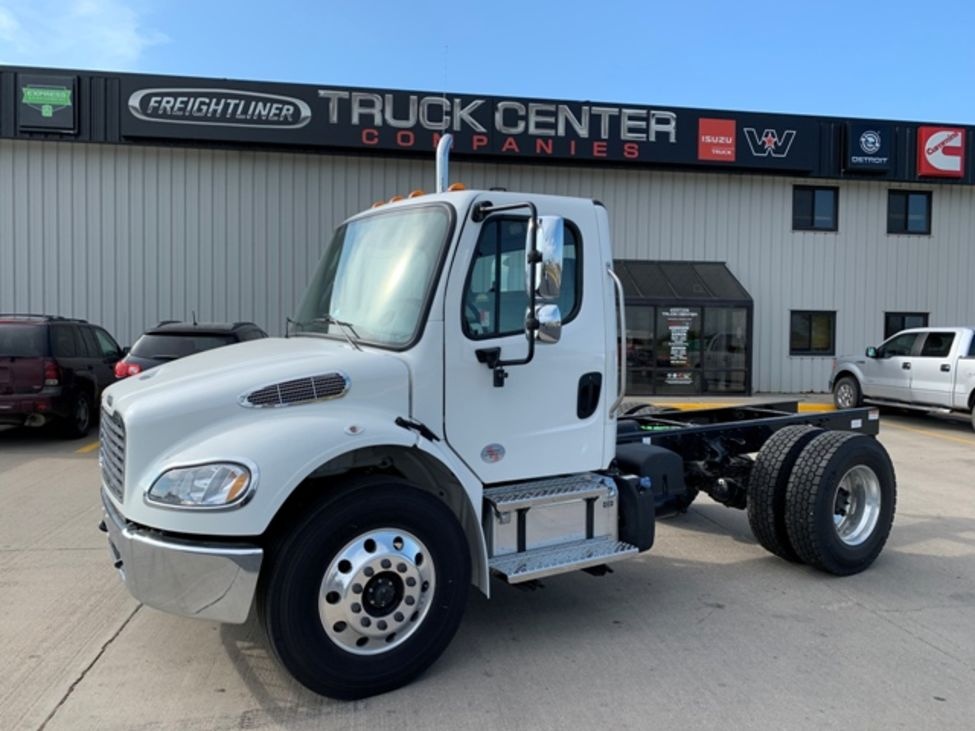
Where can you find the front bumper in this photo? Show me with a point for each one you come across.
(192, 578)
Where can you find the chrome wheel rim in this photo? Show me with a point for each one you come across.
(376, 591)
(844, 395)
(856, 505)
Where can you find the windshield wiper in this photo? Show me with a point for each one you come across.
(346, 328)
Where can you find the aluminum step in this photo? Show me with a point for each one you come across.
(542, 562)
(550, 490)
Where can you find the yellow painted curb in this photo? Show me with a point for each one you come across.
(88, 448)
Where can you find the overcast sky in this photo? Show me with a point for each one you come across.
(888, 60)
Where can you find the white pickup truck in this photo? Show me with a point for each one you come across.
(927, 369)
(448, 409)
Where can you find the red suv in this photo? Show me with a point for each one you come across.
(54, 369)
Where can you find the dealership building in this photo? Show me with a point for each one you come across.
(753, 246)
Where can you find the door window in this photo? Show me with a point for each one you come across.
(495, 302)
(106, 345)
(937, 345)
(88, 340)
(66, 343)
(901, 345)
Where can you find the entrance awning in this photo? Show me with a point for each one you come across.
(679, 282)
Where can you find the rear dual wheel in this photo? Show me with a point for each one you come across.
(824, 498)
(840, 502)
(367, 590)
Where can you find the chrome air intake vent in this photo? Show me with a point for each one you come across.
(298, 391)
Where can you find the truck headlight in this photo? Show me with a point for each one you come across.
(216, 485)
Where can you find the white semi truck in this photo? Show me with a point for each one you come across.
(446, 409)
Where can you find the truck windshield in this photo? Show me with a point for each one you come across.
(376, 275)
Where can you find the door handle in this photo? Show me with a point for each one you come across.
(906, 366)
(945, 367)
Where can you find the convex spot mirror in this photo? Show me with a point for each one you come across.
(547, 326)
(545, 274)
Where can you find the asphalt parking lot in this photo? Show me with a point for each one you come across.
(705, 631)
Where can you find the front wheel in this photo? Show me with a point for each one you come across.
(847, 393)
(367, 591)
(840, 502)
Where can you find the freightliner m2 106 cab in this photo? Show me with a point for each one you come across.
(447, 408)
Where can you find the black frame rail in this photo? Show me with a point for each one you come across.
(739, 429)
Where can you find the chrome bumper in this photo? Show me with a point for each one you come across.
(192, 578)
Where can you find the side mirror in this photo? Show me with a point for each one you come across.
(871, 352)
(548, 322)
(545, 272)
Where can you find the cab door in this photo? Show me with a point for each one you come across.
(549, 416)
(932, 380)
(888, 376)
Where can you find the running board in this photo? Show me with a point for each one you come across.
(541, 562)
(907, 407)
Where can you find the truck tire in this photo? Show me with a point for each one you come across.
(847, 393)
(840, 502)
(366, 591)
(767, 488)
(973, 417)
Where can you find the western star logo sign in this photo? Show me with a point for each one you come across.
(46, 99)
(716, 139)
(219, 107)
(941, 152)
(770, 142)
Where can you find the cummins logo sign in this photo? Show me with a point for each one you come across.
(219, 107)
(941, 152)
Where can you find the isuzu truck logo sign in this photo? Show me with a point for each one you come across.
(219, 107)
(941, 152)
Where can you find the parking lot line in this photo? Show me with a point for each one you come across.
(88, 448)
(928, 432)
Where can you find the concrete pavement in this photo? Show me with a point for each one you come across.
(705, 631)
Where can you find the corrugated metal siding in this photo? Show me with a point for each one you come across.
(126, 236)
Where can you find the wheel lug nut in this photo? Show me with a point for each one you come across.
(385, 563)
(366, 621)
(410, 601)
(398, 616)
(368, 571)
(356, 608)
(381, 625)
(411, 581)
(401, 567)
(357, 588)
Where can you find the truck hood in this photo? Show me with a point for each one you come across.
(235, 370)
(182, 402)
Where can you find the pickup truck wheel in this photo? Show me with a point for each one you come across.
(767, 487)
(367, 590)
(846, 393)
(973, 417)
(840, 502)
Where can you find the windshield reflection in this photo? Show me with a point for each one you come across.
(375, 276)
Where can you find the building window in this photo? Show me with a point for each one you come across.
(908, 212)
(894, 322)
(814, 209)
(812, 332)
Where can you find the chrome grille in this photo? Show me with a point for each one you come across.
(112, 453)
(298, 391)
